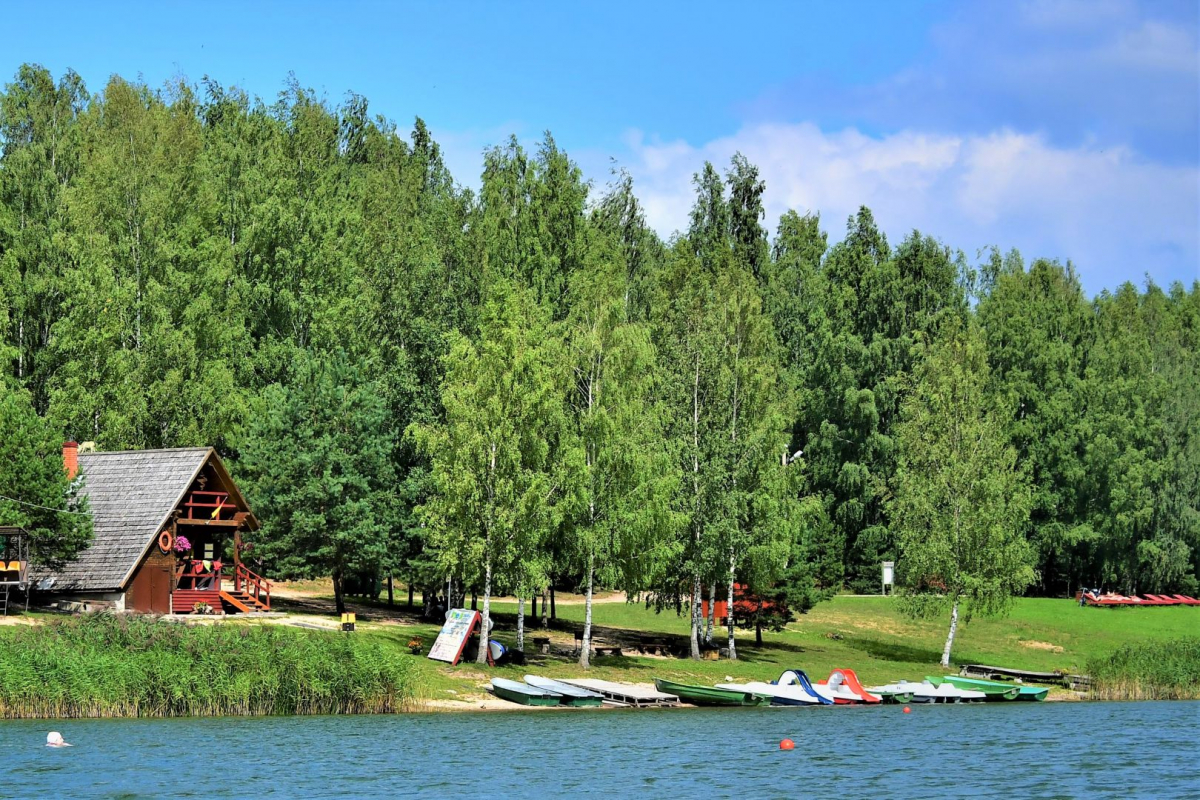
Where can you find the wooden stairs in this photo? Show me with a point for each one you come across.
(243, 602)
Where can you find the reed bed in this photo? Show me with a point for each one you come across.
(1163, 670)
(108, 665)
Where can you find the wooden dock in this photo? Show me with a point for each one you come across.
(1004, 673)
(635, 695)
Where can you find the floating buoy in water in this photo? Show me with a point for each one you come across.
(907, 710)
(55, 739)
(787, 744)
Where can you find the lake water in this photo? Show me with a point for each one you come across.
(1095, 750)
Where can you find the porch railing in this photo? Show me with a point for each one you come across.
(254, 585)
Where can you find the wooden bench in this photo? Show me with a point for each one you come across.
(656, 647)
(542, 643)
(599, 650)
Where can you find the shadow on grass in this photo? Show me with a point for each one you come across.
(892, 651)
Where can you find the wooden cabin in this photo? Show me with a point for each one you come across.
(168, 536)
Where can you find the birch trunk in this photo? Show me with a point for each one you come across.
(695, 643)
(486, 620)
(712, 611)
(546, 608)
(950, 638)
(521, 624)
(585, 651)
(729, 613)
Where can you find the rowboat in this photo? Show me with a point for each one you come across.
(793, 695)
(710, 695)
(571, 695)
(1031, 693)
(797, 677)
(994, 691)
(524, 694)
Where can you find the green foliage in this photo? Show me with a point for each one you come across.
(36, 493)
(105, 665)
(174, 262)
(315, 467)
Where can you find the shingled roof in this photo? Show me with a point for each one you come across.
(131, 494)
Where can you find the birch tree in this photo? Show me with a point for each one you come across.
(492, 470)
(625, 482)
(961, 502)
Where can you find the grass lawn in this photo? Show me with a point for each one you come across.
(866, 634)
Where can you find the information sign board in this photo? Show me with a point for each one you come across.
(460, 624)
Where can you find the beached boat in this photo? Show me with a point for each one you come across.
(1030, 693)
(524, 694)
(792, 695)
(994, 691)
(571, 695)
(926, 692)
(900, 692)
(711, 695)
(797, 677)
(846, 687)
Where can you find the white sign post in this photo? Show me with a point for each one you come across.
(888, 575)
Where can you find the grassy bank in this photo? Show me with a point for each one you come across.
(103, 665)
(1165, 670)
(866, 634)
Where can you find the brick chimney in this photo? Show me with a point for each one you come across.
(71, 459)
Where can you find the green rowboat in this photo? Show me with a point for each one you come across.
(524, 694)
(1029, 693)
(710, 695)
(994, 691)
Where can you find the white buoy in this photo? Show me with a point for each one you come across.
(55, 739)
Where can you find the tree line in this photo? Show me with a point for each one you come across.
(524, 386)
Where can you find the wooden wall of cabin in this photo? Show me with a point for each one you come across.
(150, 590)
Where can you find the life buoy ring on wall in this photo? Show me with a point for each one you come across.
(166, 541)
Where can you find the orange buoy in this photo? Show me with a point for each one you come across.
(907, 710)
(787, 744)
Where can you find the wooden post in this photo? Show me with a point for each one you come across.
(237, 556)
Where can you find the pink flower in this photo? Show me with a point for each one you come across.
(182, 545)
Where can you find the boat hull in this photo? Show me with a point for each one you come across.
(994, 691)
(710, 695)
(524, 694)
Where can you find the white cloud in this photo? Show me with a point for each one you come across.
(1117, 216)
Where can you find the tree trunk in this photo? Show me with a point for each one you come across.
(758, 631)
(474, 602)
(695, 638)
(339, 599)
(546, 608)
(712, 612)
(950, 638)
(486, 621)
(521, 624)
(553, 610)
(585, 651)
(410, 594)
(533, 605)
(729, 615)
(390, 600)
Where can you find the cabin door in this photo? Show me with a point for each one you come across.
(150, 590)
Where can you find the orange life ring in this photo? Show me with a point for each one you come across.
(166, 541)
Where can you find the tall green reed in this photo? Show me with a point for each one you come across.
(107, 665)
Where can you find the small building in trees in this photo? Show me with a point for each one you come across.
(168, 536)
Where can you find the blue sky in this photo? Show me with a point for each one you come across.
(1069, 129)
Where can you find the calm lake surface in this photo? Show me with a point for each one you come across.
(1092, 750)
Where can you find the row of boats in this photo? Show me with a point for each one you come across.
(842, 687)
(793, 688)
(1095, 597)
